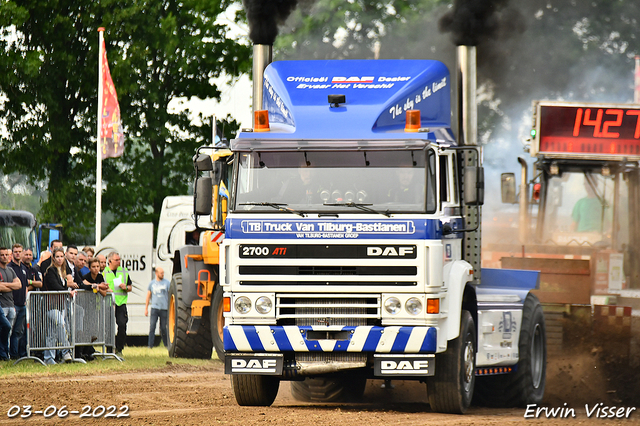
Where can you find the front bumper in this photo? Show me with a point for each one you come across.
(291, 338)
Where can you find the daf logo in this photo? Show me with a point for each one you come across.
(390, 251)
(405, 365)
(253, 364)
(353, 79)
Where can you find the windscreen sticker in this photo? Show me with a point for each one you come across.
(257, 228)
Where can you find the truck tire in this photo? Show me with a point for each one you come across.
(217, 321)
(181, 344)
(349, 388)
(253, 390)
(450, 390)
(526, 384)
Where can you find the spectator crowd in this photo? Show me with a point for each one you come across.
(60, 271)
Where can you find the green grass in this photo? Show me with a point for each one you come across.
(135, 358)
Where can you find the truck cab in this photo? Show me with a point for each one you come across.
(344, 255)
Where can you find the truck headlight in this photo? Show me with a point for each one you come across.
(242, 305)
(392, 305)
(413, 306)
(263, 305)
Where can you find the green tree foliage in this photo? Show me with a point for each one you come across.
(335, 29)
(157, 51)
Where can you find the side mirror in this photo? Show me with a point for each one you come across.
(473, 186)
(508, 187)
(203, 196)
(203, 163)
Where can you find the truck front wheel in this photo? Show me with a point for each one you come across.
(181, 344)
(217, 321)
(253, 390)
(526, 384)
(450, 390)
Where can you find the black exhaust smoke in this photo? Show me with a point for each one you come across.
(264, 16)
(471, 22)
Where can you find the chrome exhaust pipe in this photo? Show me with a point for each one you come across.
(467, 108)
(262, 56)
(523, 218)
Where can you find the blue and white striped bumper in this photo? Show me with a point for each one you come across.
(291, 338)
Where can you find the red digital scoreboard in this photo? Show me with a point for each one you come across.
(572, 130)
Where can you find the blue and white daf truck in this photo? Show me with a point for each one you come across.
(345, 254)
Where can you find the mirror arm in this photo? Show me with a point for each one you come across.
(447, 229)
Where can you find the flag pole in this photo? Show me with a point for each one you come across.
(98, 144)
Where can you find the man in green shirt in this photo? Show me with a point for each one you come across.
(119, 283)
(587, 212)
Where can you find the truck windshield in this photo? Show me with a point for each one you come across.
(398, 181)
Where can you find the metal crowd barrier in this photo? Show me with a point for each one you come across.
(58, 321)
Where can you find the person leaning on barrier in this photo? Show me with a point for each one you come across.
(12, 282)
(45, 258)
(94, 279)
(5, 331)
(18, 340)
(103, 262)
(120, 284)
(71, 254)
(90, 253)
(78, 275)
(34, 276)
(81, 264)
(80, 261)
(56, 278)
(87, 255)
(34, 279)
(8, 282)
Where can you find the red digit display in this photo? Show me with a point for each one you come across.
(593, 122)
(605, 129)
(588, 130)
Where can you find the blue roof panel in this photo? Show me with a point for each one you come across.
(378, 92)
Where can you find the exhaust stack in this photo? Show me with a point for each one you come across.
(262, 56)
(467, 136)
(467, 108)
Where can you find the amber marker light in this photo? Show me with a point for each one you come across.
(433, 306)
(226, 304)
(413, 121)
(261, 121)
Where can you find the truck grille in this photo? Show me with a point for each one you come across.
(327, 270)
(314, 309)
(328, 357)
(309, 265)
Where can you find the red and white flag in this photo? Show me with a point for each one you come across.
(111, 134)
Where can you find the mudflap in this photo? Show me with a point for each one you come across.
(254, 363)
(394, 365)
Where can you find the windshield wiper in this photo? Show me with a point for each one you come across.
(278, 206)
(359, 206)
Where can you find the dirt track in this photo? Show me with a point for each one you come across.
(187, 395)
